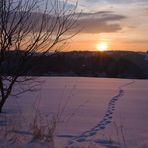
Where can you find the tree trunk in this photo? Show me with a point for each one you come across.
(2, 102)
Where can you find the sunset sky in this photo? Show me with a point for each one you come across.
(121, 24)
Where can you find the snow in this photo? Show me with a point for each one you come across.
(95, 112)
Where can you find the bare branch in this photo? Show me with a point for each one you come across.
(28, 27)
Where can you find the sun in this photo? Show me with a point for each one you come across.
(102, 46)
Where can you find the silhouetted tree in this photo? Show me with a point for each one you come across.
(27, 27)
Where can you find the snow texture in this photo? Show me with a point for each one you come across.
(103, 112)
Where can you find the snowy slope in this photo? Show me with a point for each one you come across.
(96, 112)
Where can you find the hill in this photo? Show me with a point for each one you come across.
(112, 64)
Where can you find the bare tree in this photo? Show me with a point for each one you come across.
(28, 27)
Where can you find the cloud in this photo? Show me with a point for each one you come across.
(100, 22)
(109, 1)
(137, 41)
(117, 1)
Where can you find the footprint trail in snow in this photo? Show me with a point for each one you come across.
(102, 124)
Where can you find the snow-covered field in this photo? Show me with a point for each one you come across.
(93, 112)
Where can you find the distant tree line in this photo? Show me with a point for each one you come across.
(87, 64)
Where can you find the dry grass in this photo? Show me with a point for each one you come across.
(44, 128)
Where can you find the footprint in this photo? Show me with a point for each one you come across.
(108, 122)
(81, 140)
(92, 133)
(107, 119)
(102, 127)
(97, 129)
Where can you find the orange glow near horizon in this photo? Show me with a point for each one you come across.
(102, 46)
(89, 42)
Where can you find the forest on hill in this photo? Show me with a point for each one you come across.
(112, 64)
